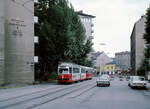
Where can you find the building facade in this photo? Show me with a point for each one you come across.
(101, 61)
(137, 44)
(16, 41)
(110, 68)
(87, 23)
(86, 20)
(122, 60)
(93, 57)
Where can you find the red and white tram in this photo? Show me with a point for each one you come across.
(89, 73)
(69, 72)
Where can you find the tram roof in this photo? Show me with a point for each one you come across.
(72, 64)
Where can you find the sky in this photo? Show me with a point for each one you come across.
(113, 23)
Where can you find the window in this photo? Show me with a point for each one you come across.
(83, 70)
(70, 70)
(63, 70)
(75, 70)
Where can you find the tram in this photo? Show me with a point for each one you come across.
(70, 72)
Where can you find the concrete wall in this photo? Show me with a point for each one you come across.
(133, 57)
(2, 43)
(19, 44)
(140, 26)
(137, 44)
(16, 41)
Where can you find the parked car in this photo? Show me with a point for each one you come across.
(103, 81)
(121, 78)
(137, 82)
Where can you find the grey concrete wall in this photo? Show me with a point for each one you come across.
(133, 49)
(2, 41)
(140, 29)
(19, 44)
(123, 60)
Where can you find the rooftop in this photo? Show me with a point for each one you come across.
(112, 62)
(83, 14)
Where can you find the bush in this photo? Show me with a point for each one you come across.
(52, 76)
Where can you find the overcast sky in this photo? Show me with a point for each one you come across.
(114, 21)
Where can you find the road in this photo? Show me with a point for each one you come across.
(82, 95)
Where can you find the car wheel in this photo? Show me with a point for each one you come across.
(129, 85)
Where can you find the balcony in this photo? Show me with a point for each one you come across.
(91, 37)
(92, 31)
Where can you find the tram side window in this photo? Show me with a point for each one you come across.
(70, 70)
(63, 70)
(75, 70)
(83, 70)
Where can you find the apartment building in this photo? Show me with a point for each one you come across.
(86, 20)
(137, 44)
(101, 61)
(122, 60)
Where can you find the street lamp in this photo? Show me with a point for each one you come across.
(102, 44)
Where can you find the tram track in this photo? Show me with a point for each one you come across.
(40, 91)
(23, 99)
(15, 97)
(62, 95)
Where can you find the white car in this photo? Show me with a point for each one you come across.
(106, 76)
(103, 81)
(137, 82)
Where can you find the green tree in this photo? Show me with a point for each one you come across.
(61, 36)
(147, 27)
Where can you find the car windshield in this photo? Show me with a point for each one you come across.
(102, 78)
(138, 79)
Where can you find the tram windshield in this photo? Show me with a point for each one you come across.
(63, 70)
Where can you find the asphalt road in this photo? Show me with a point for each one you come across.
(82, 95)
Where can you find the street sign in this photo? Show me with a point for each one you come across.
(36, 59)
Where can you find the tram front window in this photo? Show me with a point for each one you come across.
(64, 71)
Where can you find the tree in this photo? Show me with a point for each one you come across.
(61, 36)
(147, 39)
(147, 27)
